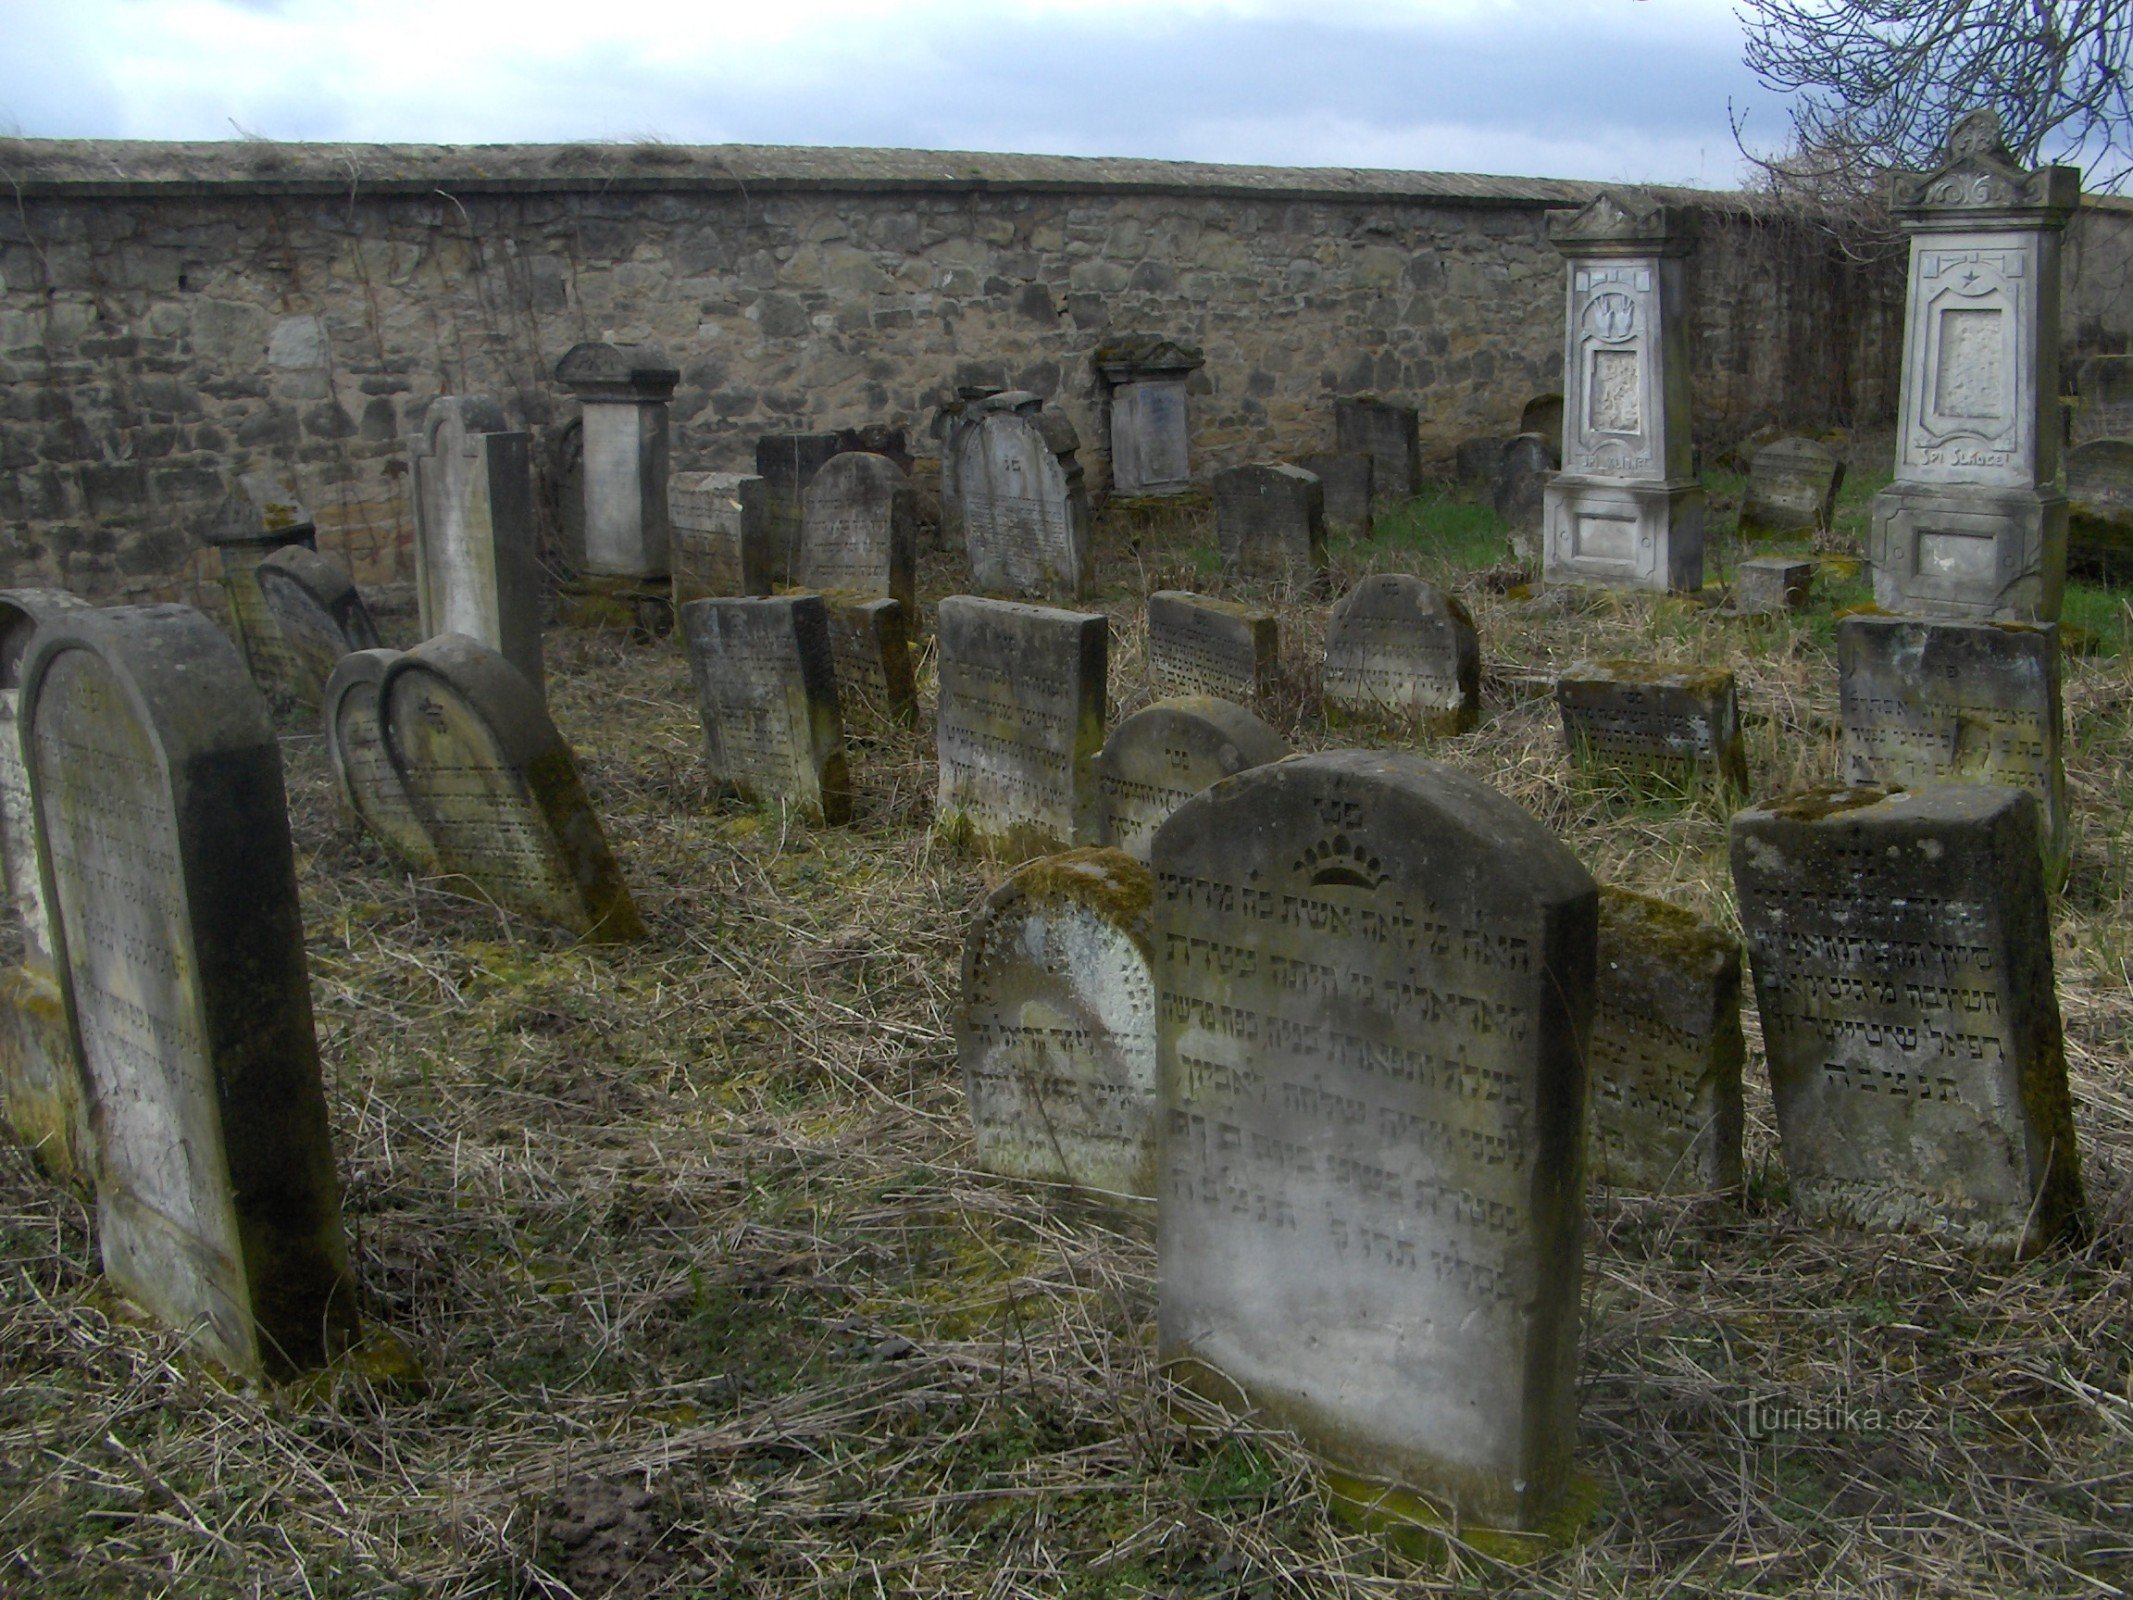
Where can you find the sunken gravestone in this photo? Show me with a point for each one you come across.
(859, 531)
(1347, 478)
(1218, 647)
(1025, 512)
(1270, 521)
(624, 390)
(156, 781)
(477, 563)
(1939, 702)
(1792, 489)
(371, 792)
(1401, 649)
(767, 693)
(1902, 955)
(787, 464)
(1164, 754)
(1391, 436)
(1667, 1050)
(1022, 697)
(1376, 977)
(319, 612)
(261, 514)
(2099, 513)
(1150, 440)
(1681, 725)
(718, 534)
(496, 788)
(1770, 585)
(871, 650)
(1057, 1028)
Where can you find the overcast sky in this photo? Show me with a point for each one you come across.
(1609, 89)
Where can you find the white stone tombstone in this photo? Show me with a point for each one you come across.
(477, 569)
(1025, 513)
(1151, 440)
(624, 390)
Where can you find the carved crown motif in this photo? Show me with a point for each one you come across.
(1612, 223)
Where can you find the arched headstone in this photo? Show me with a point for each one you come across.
(371, 791)
(1400, 648)
(1025, 513)
(320, 613)
(1164, 754)
(859, 530)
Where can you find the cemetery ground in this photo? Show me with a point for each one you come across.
(707, 1298)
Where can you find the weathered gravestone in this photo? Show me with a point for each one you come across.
(1164, 754)
(1792, 488)
(767, 693)
(1770, 585)
(496, 788)
(1057, 1027)
(1390, 435)
(1150, 438)
(1667, 1050)
(260, 514)
(1399, 648)
(1021, 717)
(718, 530)
(950, 422)
(1939, 702)
(871, 649)
(1681, 725)
(171, 883)
(858, 530)
(624, 390)
(1902, 955)
(1270, 521)
(1025, 512)
(319, 612)
(2103, 386)
(371, 791)
(787, 464)
(1543, 414)
(2099, 512)
(1218, 647)
(1518, 489)
(477, 559)
(1348, 479)
(1376, 978)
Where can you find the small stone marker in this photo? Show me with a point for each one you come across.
(624, 390)
(1021, 718)
(1940, 702)
(1348, 478)
(1792, 488)
(1271, 521)
(2099, 493)
(496, 788)
(261, 513)
(1401, 649)
(1025, 512)
(371, 791)
(1164, 754)
(787, 464)
(871, 649)
(157, 785)
(320, 613)
(477, 566)
(859, 531)
(1391, 436)
(767, 693)
(1902, 954)
(1667, 1050)
(1151, 443)
(1057, 1029)
(1679, 724)
(1376, 977)
(1770, 585)
(1218, 647)
(719, 532)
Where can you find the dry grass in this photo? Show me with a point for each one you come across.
(711, 1302)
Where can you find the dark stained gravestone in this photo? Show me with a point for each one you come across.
(1021, 717)
(871, 649)
(477, 556)
(1270, 521)
(1902, 954)
(371, 792)
(1164, 754)
(1679, 724)
(1543, 414)
(767, 693)
(1218, 647)
(1667, 1050)
(2099, 510)
(2103, 386)
(1057, 1027)
(1792, 489)
(1376, 977)
(718, 527)
(1944, 702)
(859, 530)
(1025, 511)
(1518, 488)
(319, 612)
(1771, 585)
(1391, 436)
(1403, 650)
(260, 514)
(496, 788)
(1347, 478)
(787, 464)
(163, 826)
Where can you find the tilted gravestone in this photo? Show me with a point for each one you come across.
(1792, 488)
(1681, 725)
(1348, 478)
(1939, 702)
(1667, 1050)
(1902, 953)
(1376, 977)
(1391, 436)
(624, 390)
(1151, 442)
(496, 788)
(951, 421)
(171, 882)
(1056, 1032)
(871, 649)
(1025, 512)
(719, 535)
(1164, 754)
(319, 612)
(1402, 649)
(1771, 585)
(787, 464)
(1270, 521)
(260, 514)
(767, 693)
(1218, 647)
(859, 530)
(477, 554)
(2099, 511)
(1022, 703)
(371, 792)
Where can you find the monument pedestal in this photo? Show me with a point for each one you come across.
(594, 600)
(1628, 535)
(1968, 551)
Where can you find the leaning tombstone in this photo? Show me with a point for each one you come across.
(1667, 1050)
(1771, 585)
(1056, 1033)
(1164, 754)
(951, 421)
(1348, 478)
(859, 530)
(1022, 702)
(1025, 512)
(787, 464)
(1939, 702)
(871, 650)
(1218, 647)
(156, 781)
(767, 694)
(719, 535)
(1792, 489)
(261, 514)
(1390, 435)
(1270, 521)
(1150, 440)
(1974, 527)
(477, 559)
(1403, 650)
(2099, 512)
(1377, 977)
(497, 790)
(319, 612)
(1638, 721)
(371, 792)
(1902, 953)
(624, 391)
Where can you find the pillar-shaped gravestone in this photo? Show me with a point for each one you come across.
(1403, 650)
(1667, 1050)
(1902, 954)
(1376, 977)
(1680, 725)
(2099, 510)
(1348, 479)
(477, 565)
(1218, 647)
(1391, 436)
(1057, 1028)
(156, 782)
(718, 532)
(871, 649)
(40, 1081)
(1150, 440)
(497, 790)
(1974, 526)
(371, 792)
(1025, 512)
(624, 390)
(1270, 521)
(859, 530)
(1021, 718)
(319, 612)
(1164, 754)
(787, 464)
(1771, 585)
(260, 514)
(767, 693)
(1792, 489)
(1940, 702)
(1626, 510)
